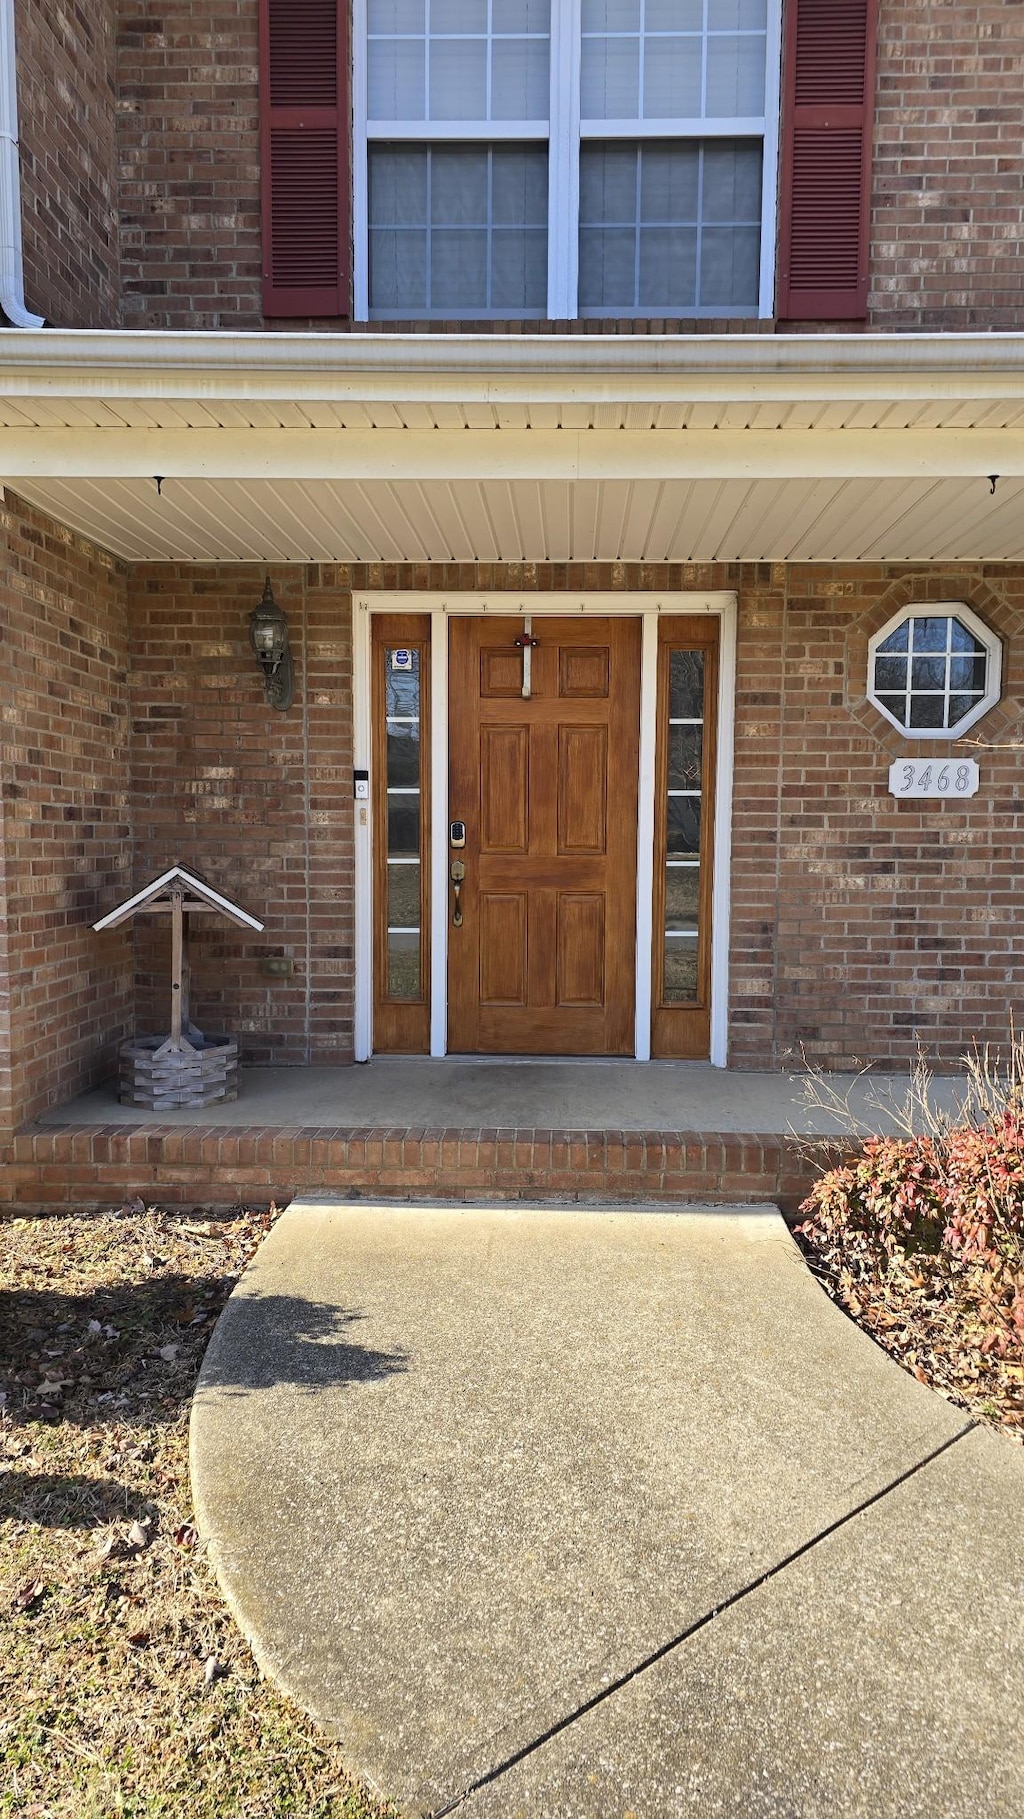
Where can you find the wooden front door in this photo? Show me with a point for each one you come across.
(543, 962)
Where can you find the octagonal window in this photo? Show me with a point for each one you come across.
(934, 670)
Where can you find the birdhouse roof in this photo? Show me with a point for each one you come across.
(198, 896)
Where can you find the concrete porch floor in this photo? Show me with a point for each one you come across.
(477, 1092)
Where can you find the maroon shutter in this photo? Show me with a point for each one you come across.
(825, 200)
(304, 156)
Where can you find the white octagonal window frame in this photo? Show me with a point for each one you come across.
(993, 659)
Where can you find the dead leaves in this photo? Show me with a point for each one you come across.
(29, 1595)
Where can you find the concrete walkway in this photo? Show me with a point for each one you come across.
(585, 1514)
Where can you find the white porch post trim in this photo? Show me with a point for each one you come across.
(438, 831)
(645, 831)
(362, 684)
(722, 893)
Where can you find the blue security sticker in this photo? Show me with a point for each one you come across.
(401, 660)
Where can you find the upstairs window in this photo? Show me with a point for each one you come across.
(564, 158)
(934, 670)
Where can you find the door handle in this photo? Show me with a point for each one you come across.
(457, 874)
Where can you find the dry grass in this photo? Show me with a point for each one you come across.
(127, 1688)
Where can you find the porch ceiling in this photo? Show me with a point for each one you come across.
(425, 448)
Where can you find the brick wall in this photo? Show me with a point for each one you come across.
(260, 801)
(66, 994)
(895, 921)
(948, 209)
(948, 204)
(188, 146)
(67, 124)
(859, 924)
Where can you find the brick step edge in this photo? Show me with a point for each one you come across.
(92, 1166)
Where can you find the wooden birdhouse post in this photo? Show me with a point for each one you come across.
(186, 1067)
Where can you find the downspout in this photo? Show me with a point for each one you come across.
(12, 273)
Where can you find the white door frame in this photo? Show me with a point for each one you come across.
(648, 608)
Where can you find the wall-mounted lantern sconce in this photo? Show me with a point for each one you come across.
(268, 635)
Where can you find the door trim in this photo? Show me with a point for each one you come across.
(645, 606)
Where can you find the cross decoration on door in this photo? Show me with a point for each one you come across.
(525, 642)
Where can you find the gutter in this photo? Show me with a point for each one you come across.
(12, 270)
(144, 363)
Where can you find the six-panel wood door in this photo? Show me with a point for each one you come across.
(544, 961)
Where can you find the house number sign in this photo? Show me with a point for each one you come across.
(922, 779)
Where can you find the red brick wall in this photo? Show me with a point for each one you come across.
(896, 922)
(260, 801)
(948, 211)
(66, 851)
(948, 206)
(860, 925)
(67, 121)
(188, 148)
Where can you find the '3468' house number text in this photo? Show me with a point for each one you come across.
(921, 779)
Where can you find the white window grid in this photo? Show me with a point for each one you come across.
(684, 864)
(991, 651)
(563, 131)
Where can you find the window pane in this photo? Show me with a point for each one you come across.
(967, 673)
(519, 79)
(461, 260)
(668, 268)
(928, 672)
(458, 16)
(404, 826)
(963, 640)
(734, 15)
(395, 79)
(674, 16)
(896, 705)
(403, 756)
(398, 271)
(730, 267)
(683, 832)
(959, 706)
(685, 756)
(612, 15)
(670, 183)
(402, 688)
(930, 634)
(686, 685)
(519, 269)
(890, 672)
(403, 966)
(682, 896)
(521, 16)
(452, 65)
(403, 896)
(610, 79)
(682, 188)
(672, 78)
(927, 710)
(665, 65)
(735, 77)
(395, 16)
(458, 79)
(680, 972)
(899, 640)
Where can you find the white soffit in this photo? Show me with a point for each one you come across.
(520, 448)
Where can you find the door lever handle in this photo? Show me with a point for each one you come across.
(457, 874)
